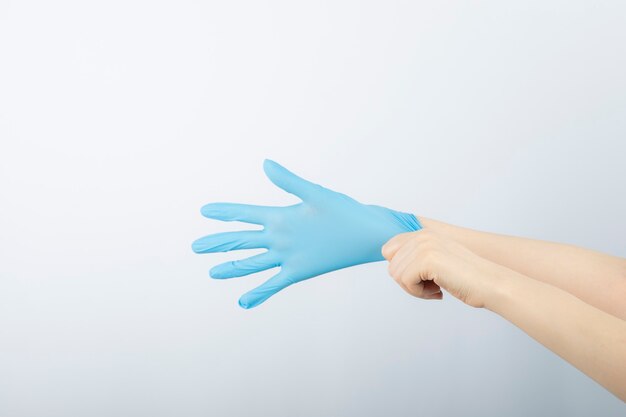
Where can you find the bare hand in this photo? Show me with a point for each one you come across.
(424, 262)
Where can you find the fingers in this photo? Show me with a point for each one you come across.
(407, 268)
(394, 244)
(414, 282)
(237, 212)
(266, 290)
(289, 181)
(227, 241)
(436, 296)
(403, 256)
(242, 267)
(426, 290)
(430, 291)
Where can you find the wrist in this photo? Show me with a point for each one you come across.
(501, 289)
(442, 228)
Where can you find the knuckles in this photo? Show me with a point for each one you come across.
(428, 252)
(423, 258)
(431, 258)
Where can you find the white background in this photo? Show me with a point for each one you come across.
(120, 119)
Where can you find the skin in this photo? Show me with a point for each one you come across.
(586, 325)
(596, 278)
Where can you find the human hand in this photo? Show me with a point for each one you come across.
(325, 232)
(424, 262)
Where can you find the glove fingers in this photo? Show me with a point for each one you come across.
(237, 212)
(242, 267)
(289, 181)
(265, 290)
(227, 241)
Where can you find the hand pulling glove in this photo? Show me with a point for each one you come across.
(325, 232)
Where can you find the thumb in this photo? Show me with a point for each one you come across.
(289, 181)
(394, 244)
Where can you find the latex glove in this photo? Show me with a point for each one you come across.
(325, 232)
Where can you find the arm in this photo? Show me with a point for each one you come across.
(596, 278)
(590, 339)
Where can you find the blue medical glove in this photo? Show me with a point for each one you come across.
(325, 232)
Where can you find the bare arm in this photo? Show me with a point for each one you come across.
(592, 340)
(594, 277)
(588, 338)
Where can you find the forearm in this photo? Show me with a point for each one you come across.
(594, 277)
(588, 338)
